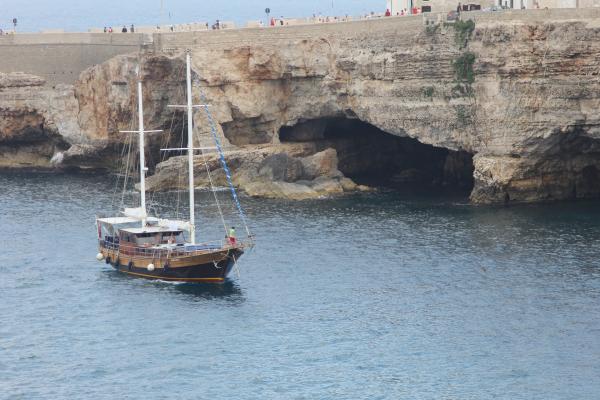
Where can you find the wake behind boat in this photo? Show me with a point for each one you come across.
(147, 246)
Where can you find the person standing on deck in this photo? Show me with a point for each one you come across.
(232, 236)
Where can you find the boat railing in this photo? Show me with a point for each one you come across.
(167, 252)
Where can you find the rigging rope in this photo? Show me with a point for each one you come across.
(126, 172)
(129, 166)
(212, 186)
(180, 178)
(121, 166)
(168, 137)
(217, 141)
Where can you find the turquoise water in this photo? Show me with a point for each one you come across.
(79, 15)
(375, 296)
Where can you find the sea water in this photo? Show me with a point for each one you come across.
(373, 296)
(80, 15)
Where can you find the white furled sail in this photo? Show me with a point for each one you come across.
(137, 213)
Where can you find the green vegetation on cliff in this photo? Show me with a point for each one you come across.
(464, 115)
(463, 31)
(463, 68)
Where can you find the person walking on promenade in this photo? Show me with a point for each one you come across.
(387, 12)
(124, 30)
(458, 8)
(132, 30)
(272, 21)
(110, 30)
(105, 30)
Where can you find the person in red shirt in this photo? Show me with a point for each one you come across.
(387, 12)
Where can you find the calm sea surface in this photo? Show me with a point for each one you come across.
(370, 297)
(79, 15)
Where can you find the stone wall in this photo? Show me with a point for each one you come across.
(61, 57)
(279, 35)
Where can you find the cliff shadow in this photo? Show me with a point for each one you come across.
(372, 157)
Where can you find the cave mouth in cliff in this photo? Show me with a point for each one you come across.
(372, 157)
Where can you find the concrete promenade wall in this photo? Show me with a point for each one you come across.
(61, 57)
(285, 34)
(405, 25)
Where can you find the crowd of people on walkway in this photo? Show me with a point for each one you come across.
(109, 29)
(319, 19)
(14, 30)
(276, 22)
(403, 12)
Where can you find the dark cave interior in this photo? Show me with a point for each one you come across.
(373, 157)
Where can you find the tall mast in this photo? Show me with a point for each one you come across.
(190, 148)
(142, 155)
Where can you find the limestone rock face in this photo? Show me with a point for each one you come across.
(262, 171)
(517, 95)
(521, 96)
(323, 163)
(107, 95)
(281, 167)
(19, 79)
(300, 178)
(36, 122)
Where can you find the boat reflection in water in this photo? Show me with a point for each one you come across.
(229, 290)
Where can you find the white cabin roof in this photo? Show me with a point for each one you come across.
(150, 229)
(154, 224)
(118, 220)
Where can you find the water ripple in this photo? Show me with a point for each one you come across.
(374, 296)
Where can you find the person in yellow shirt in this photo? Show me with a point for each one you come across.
(231, 236)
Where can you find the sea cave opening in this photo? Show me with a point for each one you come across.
(372, 157)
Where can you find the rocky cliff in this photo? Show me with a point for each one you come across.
(507, 109)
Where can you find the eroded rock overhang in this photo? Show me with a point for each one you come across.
(519, 95)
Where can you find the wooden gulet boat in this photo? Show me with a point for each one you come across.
(149, 247)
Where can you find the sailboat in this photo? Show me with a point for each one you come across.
(145, 246)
